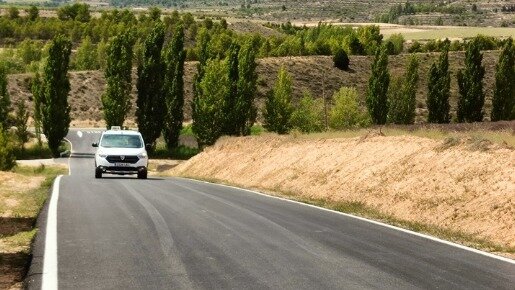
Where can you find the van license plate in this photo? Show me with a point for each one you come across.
(121, 164)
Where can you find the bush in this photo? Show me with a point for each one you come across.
(34, 151)
(307, 116)
(340, 59)
(181, 152)
(7, 158)
(347, 112)
(397, 40)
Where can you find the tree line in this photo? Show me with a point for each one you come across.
(225, 87)
(25, 38)
(393, 100)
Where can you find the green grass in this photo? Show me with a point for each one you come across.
(21, 239)
(36, 151)
(187, 130)
(360, 209)
(257, 130)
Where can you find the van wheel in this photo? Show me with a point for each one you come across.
(98, 173)
(142, 174)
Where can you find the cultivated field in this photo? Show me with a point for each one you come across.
(452, 32)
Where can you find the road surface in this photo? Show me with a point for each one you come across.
(172, 233)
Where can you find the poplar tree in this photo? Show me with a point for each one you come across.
(37, 95)
(239, 108)
(150, 103)
(208, 118)
(5, 100)
(116, 100)
(174, 88)
(247, 86)
(503, 101)
(403, 95)
(470, 83)
(377, 96)
(202, 48)
(231, 126)
(439, 86)
(278, 106)
(55, 86)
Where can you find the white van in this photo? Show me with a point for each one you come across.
(121, 152)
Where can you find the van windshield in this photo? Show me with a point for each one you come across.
(121, 141)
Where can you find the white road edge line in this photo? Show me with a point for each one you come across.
(49, 276)
(507, 260)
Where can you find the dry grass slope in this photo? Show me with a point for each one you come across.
(463, 186)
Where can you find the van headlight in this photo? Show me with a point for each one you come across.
(101, 155)
(142, 155)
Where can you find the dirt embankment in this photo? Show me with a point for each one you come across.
(463, 186)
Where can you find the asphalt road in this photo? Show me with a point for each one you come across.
(125, 233)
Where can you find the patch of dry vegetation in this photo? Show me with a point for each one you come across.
(22, 195)
(458, 189)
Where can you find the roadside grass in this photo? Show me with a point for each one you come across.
(37, 151)
(362, 210)
(184, 152)
(17, 222)
(30, 202)
(20, 241)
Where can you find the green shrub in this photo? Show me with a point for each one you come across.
(307, 116)
(398, 42)
(347, 112)
(340, 59)
(7, 158)
(34, 151)
(181, 152)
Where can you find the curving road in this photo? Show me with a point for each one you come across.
(125, 233)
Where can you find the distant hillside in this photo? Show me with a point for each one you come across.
(314, 74)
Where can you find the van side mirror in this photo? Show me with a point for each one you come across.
(94, 144)
(148, 146)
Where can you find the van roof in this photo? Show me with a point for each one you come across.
(122, 132)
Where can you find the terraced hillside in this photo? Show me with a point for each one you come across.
(429, 12)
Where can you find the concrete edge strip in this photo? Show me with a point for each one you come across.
(69, 157)
(49, 277)
(507, 260)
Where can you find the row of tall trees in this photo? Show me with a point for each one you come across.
(160, 85)
(393, 100)
(224, 90)
(470, 81)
